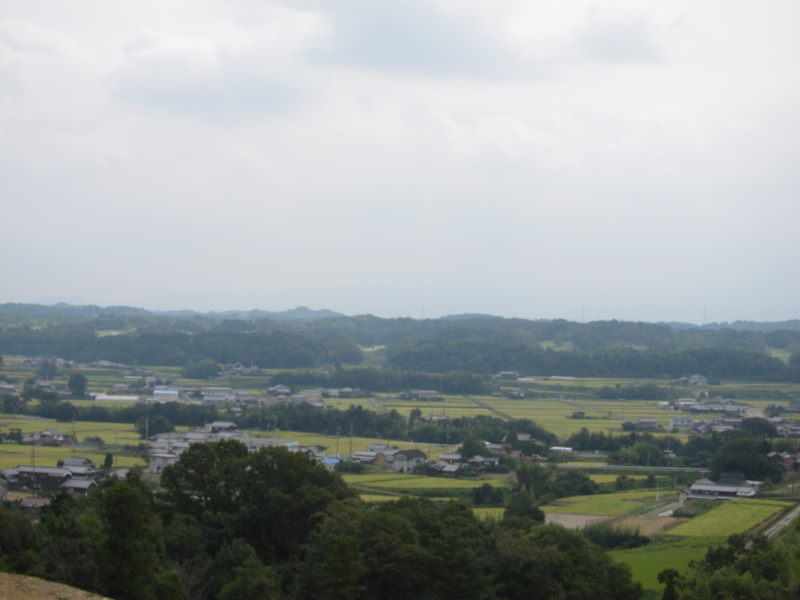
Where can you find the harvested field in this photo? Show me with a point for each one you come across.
(650, 526)
(572, 521)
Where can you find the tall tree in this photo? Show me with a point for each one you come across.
(77, 383)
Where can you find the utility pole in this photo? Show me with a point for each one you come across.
(33, 464)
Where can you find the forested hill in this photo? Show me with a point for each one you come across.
(475, 343)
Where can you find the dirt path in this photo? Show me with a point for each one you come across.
(491, 409)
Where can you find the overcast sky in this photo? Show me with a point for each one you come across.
(595, 160)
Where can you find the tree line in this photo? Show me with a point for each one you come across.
(385, 380)
(740, 569)
(80, 342)
(473, 343)
(743, 450)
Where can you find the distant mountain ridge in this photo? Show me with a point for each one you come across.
(305, 314)
(300, 313)
(790, 325)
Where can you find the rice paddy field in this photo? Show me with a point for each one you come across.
(400, 481)
(452, 406)
(114, 435)
(735, 516)
(343, 444)
(100, 379)
(386, 486)
(555, 399)
(602, 478)
(14, 455)
(610, 504)
(111, 433)
(690, 539)
(678, 540)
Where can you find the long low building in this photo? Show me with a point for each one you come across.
(730, 485)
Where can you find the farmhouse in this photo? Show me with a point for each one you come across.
(166, 395)
(682, 423)
(217, 395)
(786, 460)
(77, 486)
(647, 424)
(406, 461)
(427, 395)
(165, 448)
(730, 485)
(48, 437)
(46, 479)
(81, 467)
(513, 375)
(7, 389)
(159, 460)
(279, 390)
(218, 426)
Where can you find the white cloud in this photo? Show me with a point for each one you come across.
(525, 158)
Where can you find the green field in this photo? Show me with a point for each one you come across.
(344, 443)
(646, 562)
(452, 406)
(690, 540)
(378, 497)
(612, 477)
(14, 455)
(489, 513)
(553, 402)
(609, 504)
(399, 481)
(111, 433)
(735, 516)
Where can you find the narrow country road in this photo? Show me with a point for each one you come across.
(778, 527)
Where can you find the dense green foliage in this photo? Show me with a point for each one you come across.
(385, 380)
(744, 450)
(77, 383)
(762, 570)
(232, 525)
(201, 369)
(359, 421)
(612, 536)
(490, 357)
(476, 344)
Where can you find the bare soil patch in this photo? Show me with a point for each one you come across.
(572, 521)
(650, 526)
(22, 587)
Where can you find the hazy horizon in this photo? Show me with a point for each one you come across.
(423, 314)
(542, 160)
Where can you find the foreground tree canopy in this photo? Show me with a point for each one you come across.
(273, 524)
